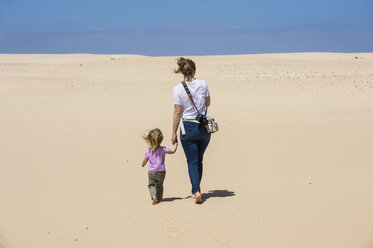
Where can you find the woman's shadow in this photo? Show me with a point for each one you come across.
(218, 193)
(212, 193)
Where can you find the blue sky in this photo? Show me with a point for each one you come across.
(173, 27)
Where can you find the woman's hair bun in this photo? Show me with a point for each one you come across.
(186, 66)
(181, 61)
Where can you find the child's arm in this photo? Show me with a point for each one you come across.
(172, 151)
(144, 162)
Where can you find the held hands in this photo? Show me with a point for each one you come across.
(172, 151)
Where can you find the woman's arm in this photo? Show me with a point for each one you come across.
(208, 101)
(176, 119)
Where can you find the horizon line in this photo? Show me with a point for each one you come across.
(185, 55)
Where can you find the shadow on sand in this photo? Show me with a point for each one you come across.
(205, 196)
(218, 193)
(170, 199)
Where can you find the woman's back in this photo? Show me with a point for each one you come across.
(199, 91)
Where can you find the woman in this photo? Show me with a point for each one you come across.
(196, 138)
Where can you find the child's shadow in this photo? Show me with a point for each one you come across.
(205, 196)
(170, 199)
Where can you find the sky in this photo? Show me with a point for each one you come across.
(194, 27)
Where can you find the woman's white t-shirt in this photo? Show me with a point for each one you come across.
(199, 91)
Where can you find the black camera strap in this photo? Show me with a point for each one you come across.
(190, 96)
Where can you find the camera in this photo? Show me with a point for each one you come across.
(202, 119)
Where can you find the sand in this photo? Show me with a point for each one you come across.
(291, 166)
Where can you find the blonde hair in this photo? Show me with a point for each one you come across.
(186, 66)
(153, 138)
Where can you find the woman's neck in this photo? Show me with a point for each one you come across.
(191, 79)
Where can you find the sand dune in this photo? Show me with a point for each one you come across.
(290, 167)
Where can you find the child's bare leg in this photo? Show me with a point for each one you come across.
(154, 200)
(193, 196)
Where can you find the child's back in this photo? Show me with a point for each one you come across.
(157, 158)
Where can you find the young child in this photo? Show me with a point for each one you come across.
(156, 157)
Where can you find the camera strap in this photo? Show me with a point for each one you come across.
(190, 96)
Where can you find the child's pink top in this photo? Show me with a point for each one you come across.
(156, 158)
